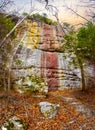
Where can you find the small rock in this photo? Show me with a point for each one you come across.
(71, 122)
(14, 123)
(49, 110)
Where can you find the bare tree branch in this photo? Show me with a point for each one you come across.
(4, 4)
(12, 31)
(89, 6)
(75, 12)
(18, 23)
(53, 10)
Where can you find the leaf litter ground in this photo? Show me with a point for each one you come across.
(69, 116)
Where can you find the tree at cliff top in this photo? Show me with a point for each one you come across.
(6, 24)
(82, 44)
(86, 41)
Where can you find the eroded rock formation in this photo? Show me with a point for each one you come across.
(36, 51)
(38, 54)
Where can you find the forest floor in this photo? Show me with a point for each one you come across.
(76, 112)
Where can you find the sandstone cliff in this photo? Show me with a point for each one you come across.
(38, 54)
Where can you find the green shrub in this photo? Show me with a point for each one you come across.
(6, 25)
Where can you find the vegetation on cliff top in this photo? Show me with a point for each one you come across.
(42, 18)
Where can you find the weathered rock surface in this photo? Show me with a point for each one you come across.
(14, 123)
(37, 52)
(90, 76)
(40, 56)
(49, 110)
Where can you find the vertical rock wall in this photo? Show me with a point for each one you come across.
(39, 55)
(49, 65)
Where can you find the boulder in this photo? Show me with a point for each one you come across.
(49, 110)
(14, 123)
(33, 84)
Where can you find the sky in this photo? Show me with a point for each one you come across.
(64, 14)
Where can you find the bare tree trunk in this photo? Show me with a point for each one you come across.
(82, 74)
(9, 81)
(4, 80)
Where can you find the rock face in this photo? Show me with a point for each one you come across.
(90, 76)
(14, 123)
(38, 54)
(49, 110)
